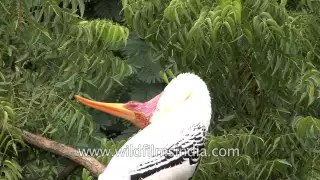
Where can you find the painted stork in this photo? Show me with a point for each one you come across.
(174, 124)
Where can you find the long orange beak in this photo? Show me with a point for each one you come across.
(116, 109)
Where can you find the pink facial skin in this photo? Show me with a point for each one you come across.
(146, 108)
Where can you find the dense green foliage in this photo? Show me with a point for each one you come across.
(260, 60)
(47, 55)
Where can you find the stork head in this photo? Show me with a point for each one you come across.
(137, 112)
(186, 90)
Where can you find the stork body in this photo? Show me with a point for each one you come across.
(169, 148)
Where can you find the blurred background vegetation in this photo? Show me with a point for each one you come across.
(260, 59)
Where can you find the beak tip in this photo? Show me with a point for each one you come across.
(79, 98)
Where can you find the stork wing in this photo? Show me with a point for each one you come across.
(186, 150)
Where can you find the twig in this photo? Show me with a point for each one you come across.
(90, 163)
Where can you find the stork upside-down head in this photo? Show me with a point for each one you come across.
(184, 87)
(136, 112)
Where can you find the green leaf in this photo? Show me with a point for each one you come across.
(4, 7)
(73, 119)
(164, 77)
(80, 126)
(278, 63)
(56, 109)
(81, 7)
(228, 118)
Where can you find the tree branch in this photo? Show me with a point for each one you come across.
(90, 163)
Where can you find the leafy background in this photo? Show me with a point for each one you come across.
(260, 60)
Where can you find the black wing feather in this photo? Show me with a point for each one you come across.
(189, 148)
